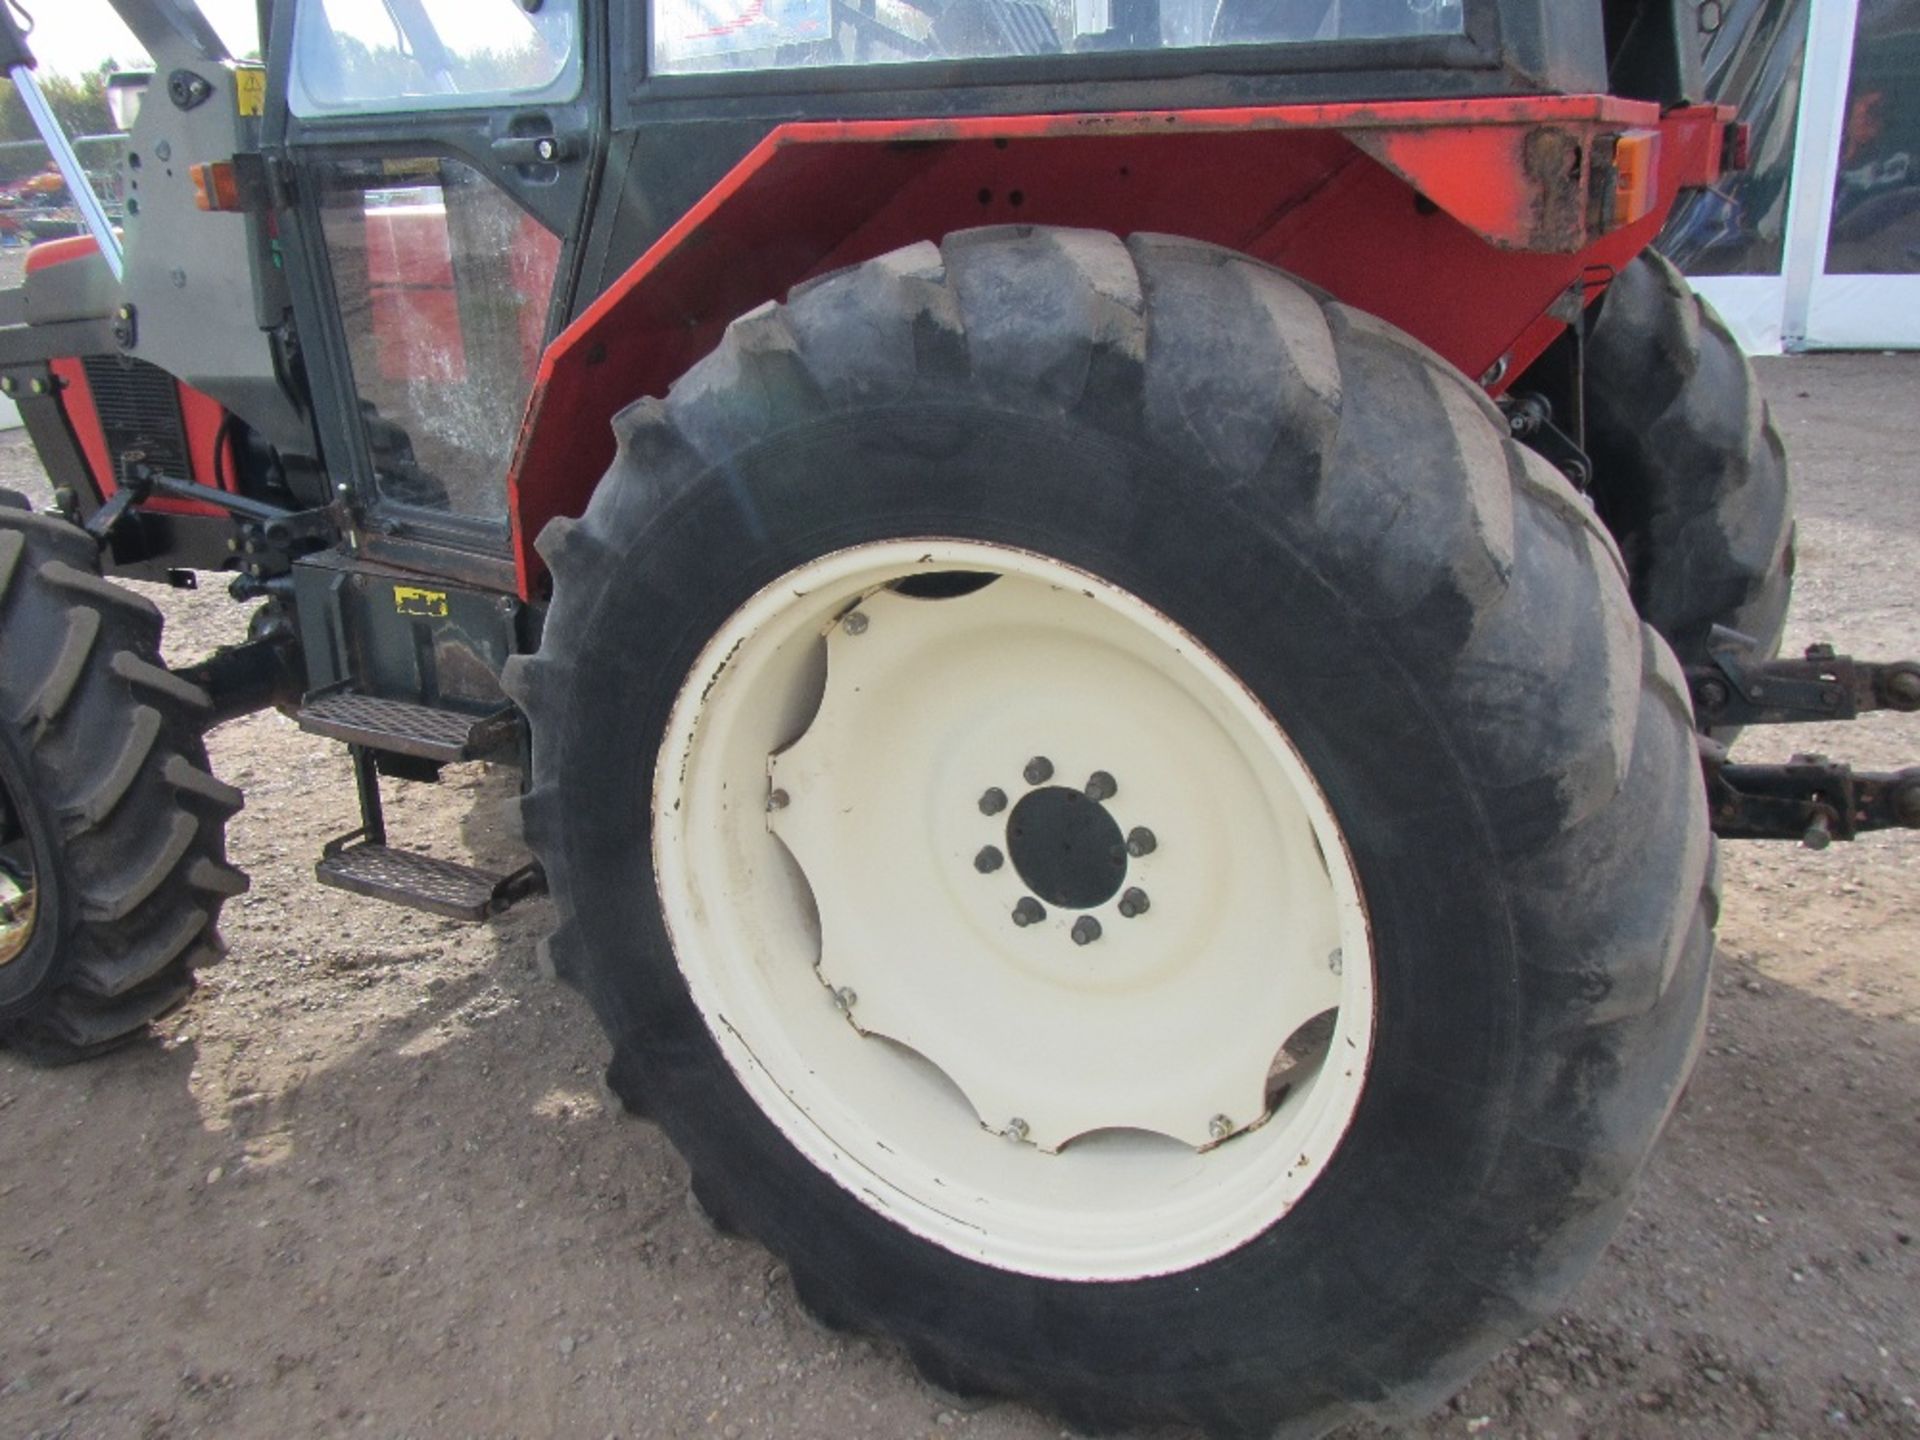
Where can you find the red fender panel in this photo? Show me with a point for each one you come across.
(1461, 221)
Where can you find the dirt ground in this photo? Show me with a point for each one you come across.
(366, 1183)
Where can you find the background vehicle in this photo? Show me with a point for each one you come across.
(1111, 674)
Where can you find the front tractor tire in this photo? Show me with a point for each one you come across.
(1124, 829)
(112, 851)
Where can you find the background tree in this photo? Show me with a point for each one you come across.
(80, 102)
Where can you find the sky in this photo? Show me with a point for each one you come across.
(72, 36)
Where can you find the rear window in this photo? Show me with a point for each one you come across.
(703, 36)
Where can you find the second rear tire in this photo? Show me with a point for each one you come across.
(1689, 471)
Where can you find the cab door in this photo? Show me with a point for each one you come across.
(441, 154)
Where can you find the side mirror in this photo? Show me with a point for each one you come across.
(124, 90)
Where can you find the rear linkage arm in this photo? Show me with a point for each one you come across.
(1810, 799)
(1737, 690)
(268, 540)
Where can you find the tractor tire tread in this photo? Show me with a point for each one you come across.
(112, 743)
(1690, 472)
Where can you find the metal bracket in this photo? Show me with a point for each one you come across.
(1530, 421)
(1736, 689)
(1810, 799)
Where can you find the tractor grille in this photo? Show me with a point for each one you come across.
(139, 409)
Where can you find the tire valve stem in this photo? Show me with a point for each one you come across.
(1134, 902)
(1028, 912)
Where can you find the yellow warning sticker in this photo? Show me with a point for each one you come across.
(410, 600)
(250, 91)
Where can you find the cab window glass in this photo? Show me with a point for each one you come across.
(354, 56)
(715, 35)
(444, 287)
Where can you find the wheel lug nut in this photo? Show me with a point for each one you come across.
(1220, 1127)
(855, 624)
(777, 800)
(1039, 770)
(988, 860)
(1028, 912)
(1086, 930)
(1140, 842)
(1134, 902)
(1102, 786)
(1018, 1130)
(993, 802)
(844, 999)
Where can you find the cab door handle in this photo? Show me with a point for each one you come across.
(534, 149)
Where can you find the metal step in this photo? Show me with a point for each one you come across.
(405, 877)
(403, 728)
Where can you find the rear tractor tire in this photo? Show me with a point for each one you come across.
(112, 852)
(1689, 471)
(1125, 830)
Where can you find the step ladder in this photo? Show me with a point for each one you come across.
(362, 861)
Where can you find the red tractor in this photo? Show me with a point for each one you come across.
(1119, 616)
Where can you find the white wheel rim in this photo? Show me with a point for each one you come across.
(1086, 1111)
(18, 890)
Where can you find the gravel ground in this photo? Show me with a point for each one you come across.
(366, 1181)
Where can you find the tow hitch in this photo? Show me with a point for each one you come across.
(1810, 798)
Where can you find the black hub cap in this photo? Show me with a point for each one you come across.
(1067, 848)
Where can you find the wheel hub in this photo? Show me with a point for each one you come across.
(1076, 987)
(1067, 848)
